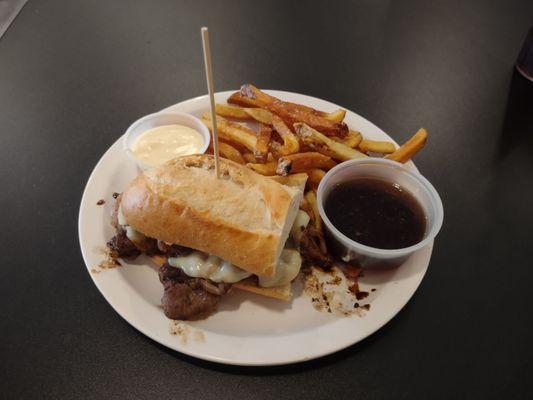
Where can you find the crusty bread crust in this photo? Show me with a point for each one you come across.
(243, 217)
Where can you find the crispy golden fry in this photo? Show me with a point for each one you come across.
(306, 109)
(352, 139)
(238, 99)
(234, 132)
(336, 116)
(268, 169)
(260, 115)
(263, 142)
(291, 144)
(314, 139)
(311, 199)
(301, 162)
(230, 152)
(314, 176)
(289, 112)
(228, 111)
(249, 157)
(407, 150)
(375, 146)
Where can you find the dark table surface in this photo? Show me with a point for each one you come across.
(75, 74)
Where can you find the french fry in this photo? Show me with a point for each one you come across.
(352, 139)
(336, 116)
(263, 142)
(407, 150)
(311, 199)
(322, 144)
(249, 157)
(291, 143)
(268, 169)
(289, 112)
(375, 146)
(230, 152)
(260, 115)
(238, 99)
(234, 132)
(314, 176)
(300, 162)
(305, 109)
(228, 111)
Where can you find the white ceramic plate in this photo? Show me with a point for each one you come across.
(247, 329)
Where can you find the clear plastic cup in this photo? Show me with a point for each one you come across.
(389, 171)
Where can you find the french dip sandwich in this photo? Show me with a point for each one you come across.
(209, 235)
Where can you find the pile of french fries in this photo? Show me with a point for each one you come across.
(293, 138)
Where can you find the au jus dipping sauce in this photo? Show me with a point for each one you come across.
(376, 213)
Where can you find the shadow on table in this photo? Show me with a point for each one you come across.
(290, 368)
(517, 129)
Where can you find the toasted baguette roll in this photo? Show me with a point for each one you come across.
(242, 217)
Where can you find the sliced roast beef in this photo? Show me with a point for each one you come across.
(188, 298)
(313, 248)
(172, 250)
(123, 247)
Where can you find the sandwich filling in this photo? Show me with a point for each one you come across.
(194, 281)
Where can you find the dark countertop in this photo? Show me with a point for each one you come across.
(74, 74)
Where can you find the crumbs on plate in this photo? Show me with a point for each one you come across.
(109, 262)
(183, 331)
(334, 292)
(178, 328)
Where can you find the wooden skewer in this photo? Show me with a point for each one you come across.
(211, 90)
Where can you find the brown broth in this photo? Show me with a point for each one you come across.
(376, 213)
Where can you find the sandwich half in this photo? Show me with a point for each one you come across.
(210, 234)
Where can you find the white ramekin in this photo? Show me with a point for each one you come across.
(159, 119)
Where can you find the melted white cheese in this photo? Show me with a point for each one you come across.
(132, 234)
(200, 265)
(287, 269)
(300, 222)
(120, 217)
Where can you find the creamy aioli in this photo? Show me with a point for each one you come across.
(163, 143)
